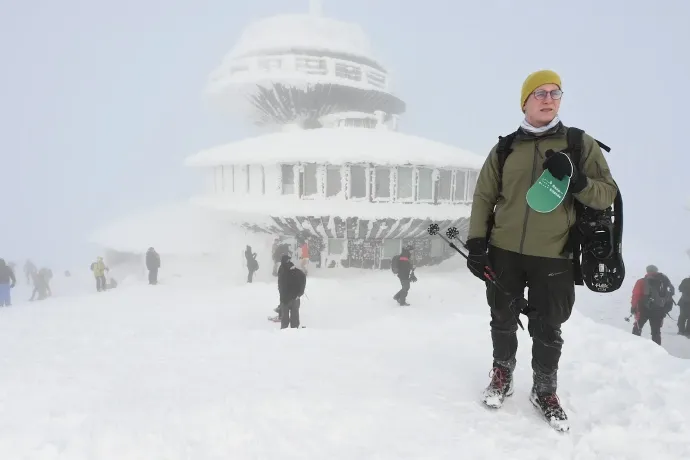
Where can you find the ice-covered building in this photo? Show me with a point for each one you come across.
(331, 167)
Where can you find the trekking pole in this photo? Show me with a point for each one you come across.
(489, 274)
(627, 319)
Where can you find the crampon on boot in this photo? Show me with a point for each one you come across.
(499, 388)
(550, 407)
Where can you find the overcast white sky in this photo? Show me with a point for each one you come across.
(101, 101)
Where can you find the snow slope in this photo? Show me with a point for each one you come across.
(177, 372)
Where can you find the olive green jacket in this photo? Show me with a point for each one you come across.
(517, 227)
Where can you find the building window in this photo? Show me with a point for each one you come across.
(349, 71)
(460, 183)
(309, 180)
(288, 179)
(311, 65)
(268, 64)
(218, 185)
(358, 181)
(425, 184)
(336, 246)
(333, 180)
(471, 184)
(392, 248)
(376, 79)
(382, 185)
(445, 179)
(405, 187)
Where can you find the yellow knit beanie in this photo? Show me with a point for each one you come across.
(535, 80)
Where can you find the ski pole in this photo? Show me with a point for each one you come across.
(488, 273)
(627, 319)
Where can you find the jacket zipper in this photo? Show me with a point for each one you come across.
(524, 223)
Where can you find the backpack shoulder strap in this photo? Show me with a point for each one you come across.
(503, 149)
(575, 138)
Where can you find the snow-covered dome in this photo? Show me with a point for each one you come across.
(338, 146)
(302, 32)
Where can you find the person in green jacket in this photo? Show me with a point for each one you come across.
(526, 248)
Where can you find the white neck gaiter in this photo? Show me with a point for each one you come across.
(531, 129)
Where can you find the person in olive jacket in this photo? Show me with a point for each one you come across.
(525, 248)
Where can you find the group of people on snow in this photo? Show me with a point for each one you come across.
(39, 278)
(99, 269)
(652, 301)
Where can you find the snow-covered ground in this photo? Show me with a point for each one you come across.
(178, 371)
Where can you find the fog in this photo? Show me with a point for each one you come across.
(102, 101)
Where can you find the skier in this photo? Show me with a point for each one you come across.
(525, 248)
(402, 266)
(291, 284)
(652, 299)
(7, 282)
(252, 264)
(684, 307)
(99, 268)
(153, 263)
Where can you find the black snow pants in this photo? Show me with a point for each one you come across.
(684, 317)
(401, 296)
(656, 321)
(551, 296)
(289, 314)
(153, 276)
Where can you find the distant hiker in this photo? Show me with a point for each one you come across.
(402, 266)
(291, 284)
(99, 268)
(41, 287)
(684, 307)
(652, 299)
(252, 264)
(304, 256)
(528, 249)
(153, 263)
(280, 250)
(29, 270)
(46, 275)
(7, 282)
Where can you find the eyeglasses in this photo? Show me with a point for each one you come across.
(541, 94)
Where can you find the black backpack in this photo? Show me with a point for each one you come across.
(656, 295)
(395, 264)
(299, 279)
(596, 238)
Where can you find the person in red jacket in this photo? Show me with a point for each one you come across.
(652, 299)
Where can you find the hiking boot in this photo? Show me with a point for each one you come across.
(499, 388)
(550, 407)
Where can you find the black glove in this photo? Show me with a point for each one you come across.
(559, 165)
(413, 278)
(477, 258)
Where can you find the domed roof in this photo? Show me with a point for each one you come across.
(338, 146)
(302, 32)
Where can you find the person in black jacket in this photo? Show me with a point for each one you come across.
(252, 264)
(405, 275)
(684, 307)
(153, 263)
(291, 284)
(7, 282)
